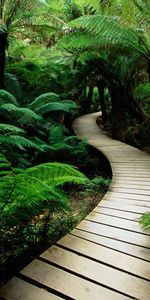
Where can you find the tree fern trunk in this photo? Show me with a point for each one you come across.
(101, 88)
(3, 43)
(86, 103)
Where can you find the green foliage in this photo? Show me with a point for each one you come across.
(27, 195)
(142, 95)
(145, 220)
(6, 97)
(22, 114)
(98, 184)
(50, 102)
(6, 129)
(20, 142)
(13, 86)
(23, 195)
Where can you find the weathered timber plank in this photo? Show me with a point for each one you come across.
(124, 207)
(111, 257)
(115, 233)
(117, 213)
(67, 283)
(98, 272)
(127, 201)
(127, 196)
(18, 289)
(134, 250)
(113, 221)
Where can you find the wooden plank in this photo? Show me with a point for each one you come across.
(18, 289)
(124, 207)
(134, 187)
(115, 233)
(117, 213)
(67, 283)
(127, 201)
(137, 251)
(113, 221)
(130, 191)
(100, 273)
(129, 173)
(111, 257)
(127, 196)
(131, 182)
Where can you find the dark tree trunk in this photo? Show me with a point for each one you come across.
(86, 103)
(3, 44)
(101, 87)
(118, 115)
(123, 108)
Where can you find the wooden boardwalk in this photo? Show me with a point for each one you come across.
(107, 255)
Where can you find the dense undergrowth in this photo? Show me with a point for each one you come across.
(39, 157)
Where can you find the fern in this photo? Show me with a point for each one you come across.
(65, 106)
(17, 141)
(13, 86)
(103, 31)
(6, 97)
(56, 173)
(26, 194)
(7, 129)
(43, 100)
(24, 115)
(5, 166)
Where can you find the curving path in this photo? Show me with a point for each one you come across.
(106, 257)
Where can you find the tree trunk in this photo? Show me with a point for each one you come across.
(86, 103)
(101, 88)
(118, 115)
(3, 44)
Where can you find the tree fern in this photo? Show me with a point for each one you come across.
(106, 31)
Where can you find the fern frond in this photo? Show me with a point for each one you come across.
(43, 99)
(56, 135)
(56, 173)
(17, 141)
(65, 106)
(6, 129)
(5, 166)
(24, 114)
(99, 31)
(6, 97)
(13, 86)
